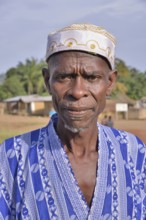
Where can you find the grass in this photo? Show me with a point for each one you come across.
(11, 125)
(4, 134)
(14, 125)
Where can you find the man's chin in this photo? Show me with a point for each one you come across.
(74, 130)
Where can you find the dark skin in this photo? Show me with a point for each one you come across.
(79, 83)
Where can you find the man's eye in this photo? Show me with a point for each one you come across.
(92, 77)
(64, 77)
(61, 77)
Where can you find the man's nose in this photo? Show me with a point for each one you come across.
(78, 88)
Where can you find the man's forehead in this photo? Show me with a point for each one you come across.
(74, 56)
(82, 37)
(72, 53)
(69, 60)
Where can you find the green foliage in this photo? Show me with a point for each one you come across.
(26, 78)
(136, 84)
(31, 76)
(130, 81)
(11, 87)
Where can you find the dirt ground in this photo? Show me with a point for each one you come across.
(12, 125)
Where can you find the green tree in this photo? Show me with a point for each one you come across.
(11, 87)
(136, 84)
(123, 74)
(26, 78)
(31, 76)
(130, 81)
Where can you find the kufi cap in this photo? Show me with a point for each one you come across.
(82, 37)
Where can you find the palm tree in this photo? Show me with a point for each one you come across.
(31, 76)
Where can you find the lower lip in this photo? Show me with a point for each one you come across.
(77, 113)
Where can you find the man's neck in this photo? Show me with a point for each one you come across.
(81, 144)
(81, 149)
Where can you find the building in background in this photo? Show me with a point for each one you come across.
(29, 105)
(119, 108)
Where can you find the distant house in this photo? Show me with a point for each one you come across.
(143, 102)
(2, 108)
(140, 109)
(124, 104)
(119, 107)
(29, 105)
(124, 107)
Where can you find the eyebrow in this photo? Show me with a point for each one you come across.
(83, 73)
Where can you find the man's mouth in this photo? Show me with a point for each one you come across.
(77, 112)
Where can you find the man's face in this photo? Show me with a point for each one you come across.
(79, 83)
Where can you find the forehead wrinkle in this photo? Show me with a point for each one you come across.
(64, 64)
(67, 68)
(76, 62)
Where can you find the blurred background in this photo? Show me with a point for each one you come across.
(24, 26)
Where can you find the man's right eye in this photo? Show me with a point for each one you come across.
(64, 76)
(61, 77)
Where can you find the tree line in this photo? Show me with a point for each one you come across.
(26, 78)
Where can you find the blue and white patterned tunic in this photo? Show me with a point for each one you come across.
(37, 181)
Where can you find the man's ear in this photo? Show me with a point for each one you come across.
(46, 76)
(112, 81)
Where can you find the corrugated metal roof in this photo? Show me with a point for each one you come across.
(29, 99)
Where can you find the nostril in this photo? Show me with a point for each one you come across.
(71, 97)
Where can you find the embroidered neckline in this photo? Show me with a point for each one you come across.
(69, 181)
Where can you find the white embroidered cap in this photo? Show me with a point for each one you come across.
(83, 37)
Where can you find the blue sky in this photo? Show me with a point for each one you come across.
(24, 26)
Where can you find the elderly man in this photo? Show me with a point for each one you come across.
(75, 168)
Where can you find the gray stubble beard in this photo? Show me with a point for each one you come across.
(74, 130)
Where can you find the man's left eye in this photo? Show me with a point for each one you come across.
(92, 77)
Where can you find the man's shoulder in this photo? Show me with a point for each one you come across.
(127, 144)
(23, 140)
(124, 137)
